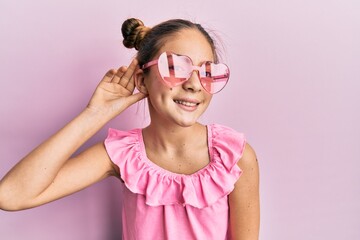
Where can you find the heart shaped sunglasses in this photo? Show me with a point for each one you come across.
(176, 69)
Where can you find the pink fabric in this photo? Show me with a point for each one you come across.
(159, 204)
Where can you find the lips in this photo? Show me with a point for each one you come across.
(186, 103)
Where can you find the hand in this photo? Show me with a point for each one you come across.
(115, 92)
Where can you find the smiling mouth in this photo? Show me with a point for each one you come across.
(187, 104)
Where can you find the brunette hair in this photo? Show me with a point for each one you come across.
(148, 41)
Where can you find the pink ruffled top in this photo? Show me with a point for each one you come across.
(159, 204)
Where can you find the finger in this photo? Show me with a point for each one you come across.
(136, 97)
(129, 72)
(120, 72)
(108, 76)
(131, 84)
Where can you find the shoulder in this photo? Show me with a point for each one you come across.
(227, 138)
(220, 127)
(229, 146)
(249, 158)
(121, 146)
(235, 141)
(118, 140)
(248, 183)
(116, 134)
(99, 152)
(226, 134)
(244, 200)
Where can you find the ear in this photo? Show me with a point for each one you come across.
(139, 78)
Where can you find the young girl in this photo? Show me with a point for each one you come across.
(182, 178)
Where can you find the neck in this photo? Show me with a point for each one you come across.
(172, 138)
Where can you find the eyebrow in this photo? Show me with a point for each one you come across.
(202, 62)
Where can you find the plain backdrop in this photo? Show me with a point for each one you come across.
(294, 92)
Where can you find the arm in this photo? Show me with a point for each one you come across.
(244, 200)
(48, 172)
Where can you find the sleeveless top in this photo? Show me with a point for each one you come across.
(160, 204)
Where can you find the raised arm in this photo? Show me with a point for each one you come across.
(244, 200)
(48, 172)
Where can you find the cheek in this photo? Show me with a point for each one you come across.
(208, 100)
(158, 93)
(208, 97)
(153, 81)
(155, 85)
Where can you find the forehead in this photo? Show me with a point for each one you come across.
(189, 42)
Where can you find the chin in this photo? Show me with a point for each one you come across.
(188, 123)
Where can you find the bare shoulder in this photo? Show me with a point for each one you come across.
(249, 166)
(248, 159)
(244, 200)
(98, 151)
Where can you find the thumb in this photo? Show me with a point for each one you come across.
(136, 97)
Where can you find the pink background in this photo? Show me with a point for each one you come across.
(294, 92)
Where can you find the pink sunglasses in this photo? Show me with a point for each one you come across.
(177, 69)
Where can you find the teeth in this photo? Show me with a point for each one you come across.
(188, 104)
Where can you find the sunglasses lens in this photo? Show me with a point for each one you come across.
(214, 76)
(174, 69)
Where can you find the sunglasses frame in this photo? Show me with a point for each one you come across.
(193, 68)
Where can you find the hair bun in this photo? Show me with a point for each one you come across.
(133, 31)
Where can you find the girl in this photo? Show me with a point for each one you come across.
(182, 178)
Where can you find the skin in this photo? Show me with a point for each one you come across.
(50, 171)
(172, 128)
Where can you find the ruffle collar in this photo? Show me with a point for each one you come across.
(162, 187)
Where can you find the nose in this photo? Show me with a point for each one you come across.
(193, 83)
